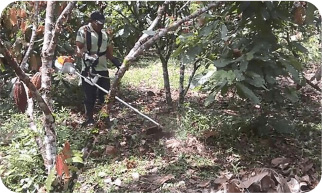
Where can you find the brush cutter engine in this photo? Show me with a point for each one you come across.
(65, 64)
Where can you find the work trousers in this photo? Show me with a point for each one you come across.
(90, 92)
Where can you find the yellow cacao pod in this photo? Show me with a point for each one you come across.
(20, 96)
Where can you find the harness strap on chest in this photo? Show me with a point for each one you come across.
(89, 41)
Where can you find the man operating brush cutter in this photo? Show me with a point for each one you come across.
(95, 48)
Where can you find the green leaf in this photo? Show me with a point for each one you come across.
(243, 6)
(239, 75)
(25, 157)
(270, 79)
(224, 88)
(77, 160)
(256, 80)
(248, 93)
(205, 31)
(191, 54)
(249, 56)
(299, 47)
(243, 65)
(269, 5)
(177, 52)
(224, 31)
(210, 99)
(309, 19)
(294, 73)
(291, 94)
(2, 68)
(220, 63)
(50, 179)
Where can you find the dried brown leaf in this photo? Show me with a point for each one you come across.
(294, 185)
(277, 161)
(232, 187)
(282, 186)
(159, 180)
(172, 143)
(209, 133)
(130, 164)
(220, 180)
(307, 167)
(204, 184)
(267, 183)
(254, 179)
(59, 164)
(110, 150)
(305, 178)
(163, 179)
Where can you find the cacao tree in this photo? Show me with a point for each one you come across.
(249, 46)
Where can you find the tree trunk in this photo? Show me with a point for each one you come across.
(50, 42)
(166, 81)
(181, 82)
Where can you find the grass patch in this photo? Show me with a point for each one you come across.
(148, 73)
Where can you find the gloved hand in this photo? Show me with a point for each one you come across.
(116, 63)
(92, 59)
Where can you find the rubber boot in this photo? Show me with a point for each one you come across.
(89, 118)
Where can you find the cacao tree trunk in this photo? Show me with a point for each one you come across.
(51, 32)
(183, 92)
(181, 82)
(166, 81)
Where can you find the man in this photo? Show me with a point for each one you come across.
(94, 47)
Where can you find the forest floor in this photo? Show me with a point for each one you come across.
(230, 146)
(227, 147)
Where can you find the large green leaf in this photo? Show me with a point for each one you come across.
(205, 31)
(309, 18)
(255, 80)
(291, 94)
(220, 63)
(239, 75)
(248, 92)
(200, 79)
(191, 54)
(177, 52)
(224, 32)
(299, 47)
(243, 65)
(210, 99)
(270, 79)
(294, 73)
(50, 179)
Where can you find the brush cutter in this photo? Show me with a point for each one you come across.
(66, 64)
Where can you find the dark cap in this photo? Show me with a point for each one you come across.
(98, 17)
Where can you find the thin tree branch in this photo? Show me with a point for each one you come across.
(66, 12)
(144, 36)
(32, 39)
(195, 68)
